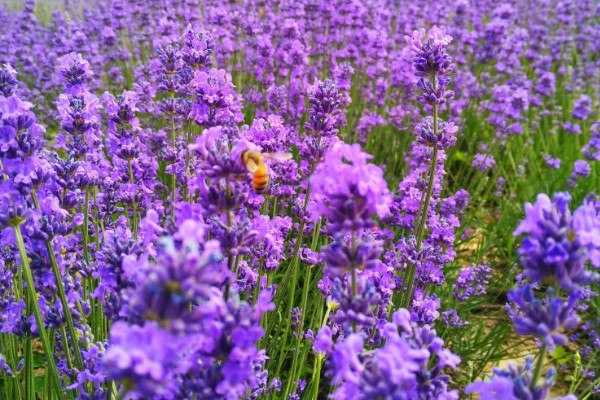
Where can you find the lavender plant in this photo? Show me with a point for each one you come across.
(299, 200)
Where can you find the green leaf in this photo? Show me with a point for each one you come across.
(460, 156)
(39, 384)
(39, 360)
(561, 355)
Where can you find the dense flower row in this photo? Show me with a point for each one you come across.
(189, 208)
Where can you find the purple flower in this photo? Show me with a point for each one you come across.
(197, 48)
(591, 150)
(444, 137)
(581, 169)
(582, 107)
(355, 309)
(8, 80)
(215, 100)
(518, 102)
(121, 110)
(483, 162)
(183, 273)
(546, 318)
(324, 115)
(552, 162)
(74, 71)
(572, 128)
(546, 84)
(347, 190)
(558, 244)
(344, 359)
(430, 57)
(451, 318)
(515, 384)
(343, 256)
(323, 343)
(472, 282)
(270, 134)
(5, 367)
(401, 369)
(143, 358)
(296, 316)
(431, 60)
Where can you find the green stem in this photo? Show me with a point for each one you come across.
(96, 225)
(184, 196)
(52, 370)
(420, 233)
(316, 377)
(576, 383)
(407, 297)
(173, 179)
(588, 391)
(263, 210)
(304, 307)
(299, 338)
(434, 159)
(86, 223)
(274, 211)
(63, 297)
(14, 362)
(292, 273)
(29, 377)
(317, 371)
(258, 279)
(538, 367)
(65, 341)
(294, 269)
(134, 216)
(354, 287)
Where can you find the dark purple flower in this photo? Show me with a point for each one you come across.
(74, 71)
(197, 48)
(324, 115)
(8, 80)
(582, 107)
(546, 318)
(443, 138)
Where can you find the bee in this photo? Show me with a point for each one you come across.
(255, 163)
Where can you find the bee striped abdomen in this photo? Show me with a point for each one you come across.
(260, 180)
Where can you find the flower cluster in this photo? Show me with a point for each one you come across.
(472, 281)
(515, 383)
(402, 369)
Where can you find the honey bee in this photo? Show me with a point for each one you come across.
(255, 163)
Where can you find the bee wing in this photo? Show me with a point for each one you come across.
(252, 166)
(278, 156)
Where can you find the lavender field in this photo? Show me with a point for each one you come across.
(292, 200)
